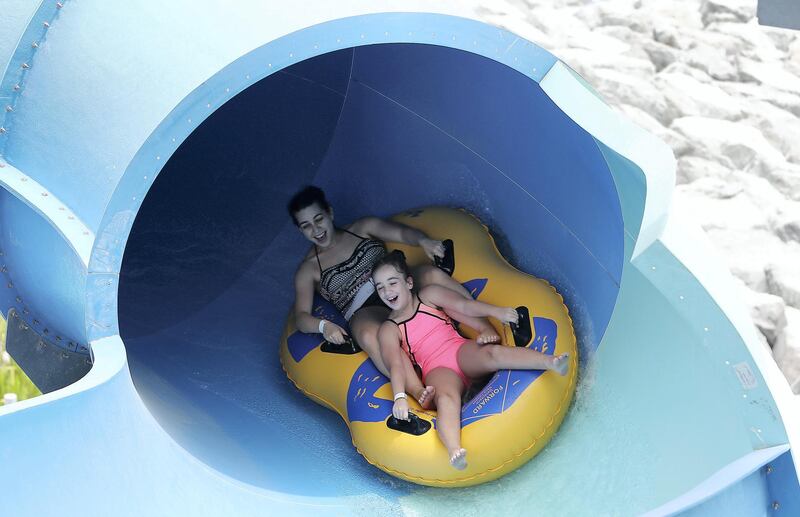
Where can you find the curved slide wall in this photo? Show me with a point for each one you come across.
(184, 173)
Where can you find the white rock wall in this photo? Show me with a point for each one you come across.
(724, 93)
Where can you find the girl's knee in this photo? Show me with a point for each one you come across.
(367, 338)
(492, 353)
(446, 395)
(427, 274)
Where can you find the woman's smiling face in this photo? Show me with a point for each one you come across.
(316, 224)
(393, 289)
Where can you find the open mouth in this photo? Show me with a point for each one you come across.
(321, 236)
(391, 299)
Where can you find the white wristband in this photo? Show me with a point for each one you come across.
(321, 326)
(398, 396)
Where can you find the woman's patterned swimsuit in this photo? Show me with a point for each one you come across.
(347, 284)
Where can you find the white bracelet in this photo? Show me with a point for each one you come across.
(398, 396)
(321, 326)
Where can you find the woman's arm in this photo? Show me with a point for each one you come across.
(450, 301)
(390, 231)
(389, 343)
(303, 302)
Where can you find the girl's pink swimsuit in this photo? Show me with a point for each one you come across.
(431, 341)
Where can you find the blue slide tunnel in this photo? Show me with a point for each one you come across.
(143, 230)
(206, 280)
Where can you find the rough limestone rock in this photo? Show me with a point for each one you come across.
(727, 10)
(787, 349)
(742, 146)
(724, 93)
(684, 14)
(718, 204)
(780, 127)
(670, 35)
(692, 168)
(768, 312)
(750, 41)
(785, 100)
(783, 279)
(620, 88)
(714, 60)
(746, 252)
(788, 228)
(660, 55)
(586, 62)
(688, 96)
(623, 14)
(772, 74)
(793, 51)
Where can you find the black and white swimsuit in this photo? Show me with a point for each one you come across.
(347, 284)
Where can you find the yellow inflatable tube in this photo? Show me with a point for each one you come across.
(506, 424)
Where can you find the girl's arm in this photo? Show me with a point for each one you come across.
(480, 325)
(389, 343)
(450, 301)
(303, 302)
(390, 231)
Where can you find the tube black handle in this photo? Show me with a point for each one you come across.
(414, 425)
(522, 328)
(448, 262)
(349, 347)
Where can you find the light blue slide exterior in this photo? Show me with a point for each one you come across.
(147, 152)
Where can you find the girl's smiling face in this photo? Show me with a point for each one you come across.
(393, 288)
(316, 224)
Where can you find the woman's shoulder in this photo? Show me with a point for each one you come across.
(308, 268)
(365, 226)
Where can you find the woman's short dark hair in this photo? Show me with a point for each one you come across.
(306, 197)
(396, 259)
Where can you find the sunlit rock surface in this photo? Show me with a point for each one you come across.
(724, 93)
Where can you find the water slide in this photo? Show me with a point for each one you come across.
(147, 151)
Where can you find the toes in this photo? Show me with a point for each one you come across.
(426, 397)
(459, 459)
(561, 364)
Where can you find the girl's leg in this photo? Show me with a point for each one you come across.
(449, 388)
(476, 360)
(427, 274)
(365, 324)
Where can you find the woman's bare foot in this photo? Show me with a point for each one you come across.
(458, 459)
(560, 364)
(426, 397)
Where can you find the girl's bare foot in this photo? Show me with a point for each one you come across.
(458, 459)
(560, 364)
(426, 397)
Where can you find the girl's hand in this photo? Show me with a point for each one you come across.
(400, 409)
(432, 247)
(334, 333)
(488, 336)
(507, 315)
